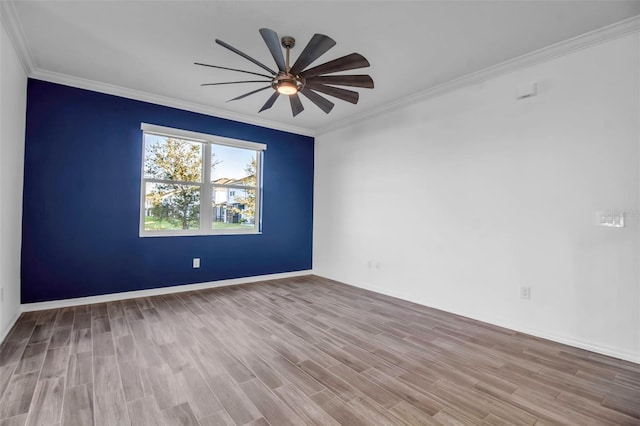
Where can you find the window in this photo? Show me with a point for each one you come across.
(198, 184)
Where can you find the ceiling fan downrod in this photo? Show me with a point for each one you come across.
(284, 82)
(288, 43)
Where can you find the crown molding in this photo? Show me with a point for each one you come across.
(609, 32)
(10, 22)
(600, 35)
(14, 31)
(140, 95)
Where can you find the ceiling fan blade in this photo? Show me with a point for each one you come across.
(232, 69)
(321, 102)
(317, 46)
(234, 82)
(296, 104)
(349, 62)
(244, 55)
(344, 80)
(336, 92)
(249, 93)
(270, 101)
(273, 43)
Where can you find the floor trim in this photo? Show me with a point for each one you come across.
(28, 307)
(5, 332)
(54, 304)
(589, 346)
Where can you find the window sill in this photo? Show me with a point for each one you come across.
(190, 234)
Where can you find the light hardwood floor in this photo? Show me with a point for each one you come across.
(293, 352)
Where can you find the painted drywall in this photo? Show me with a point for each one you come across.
(13, 94)
(81, 200)
(458, 201)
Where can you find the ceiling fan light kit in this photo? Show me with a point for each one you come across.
(298, 78)
(287, 84)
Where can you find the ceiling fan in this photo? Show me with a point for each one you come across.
(297, 78)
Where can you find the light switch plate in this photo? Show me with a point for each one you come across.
(610, 218)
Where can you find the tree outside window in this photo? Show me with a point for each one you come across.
(192, 187)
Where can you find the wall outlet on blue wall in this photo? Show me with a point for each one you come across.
(196, 262)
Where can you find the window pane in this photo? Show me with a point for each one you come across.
(171, 207)
(233, 211)
(233, 166)
(172, 159)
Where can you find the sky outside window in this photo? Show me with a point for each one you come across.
(233, 163)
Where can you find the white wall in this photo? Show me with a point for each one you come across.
(464, 198)
(13, 92)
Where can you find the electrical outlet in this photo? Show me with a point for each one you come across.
(196, 262)
(525, 293)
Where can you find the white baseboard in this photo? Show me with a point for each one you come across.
(54, 304)
(600, 349)
(569, 341)
(589, 346)
(4, 332)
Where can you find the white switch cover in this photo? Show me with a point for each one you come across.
(196, 262)
(610, 218)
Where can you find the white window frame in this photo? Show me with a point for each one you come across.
(206, 186)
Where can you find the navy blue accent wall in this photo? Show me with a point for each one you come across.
(83, 156)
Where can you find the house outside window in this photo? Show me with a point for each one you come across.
(199, 184)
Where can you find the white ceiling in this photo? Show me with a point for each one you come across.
(150, 46)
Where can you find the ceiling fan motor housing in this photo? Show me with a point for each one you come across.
(287, 83)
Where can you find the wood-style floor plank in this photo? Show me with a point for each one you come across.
(111, 409)
(32, 358)
(274, 410)
(55, 363)
(297, 351)
(80, 369)
(11, 351)
(303, 406)
(412, 415)
(14, 421)
(219, 418)
(78, 406)
(181, 415)
(47, 402)
(5, 376)
(61, 337)
(144, 411)
(17, 398)
(233, 399)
